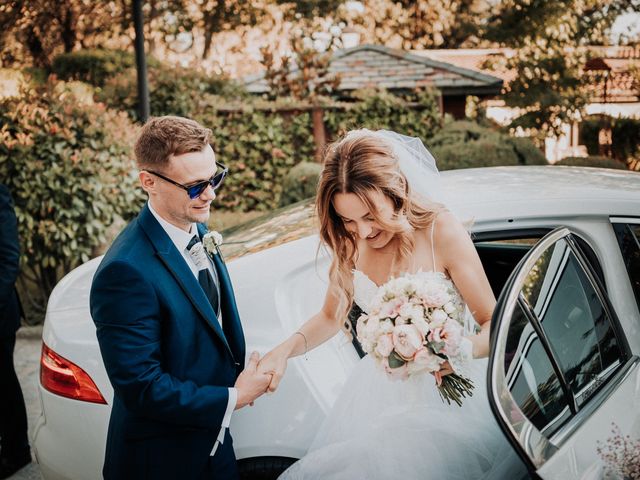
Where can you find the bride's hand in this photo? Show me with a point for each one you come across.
(445, 369)
(274, 363)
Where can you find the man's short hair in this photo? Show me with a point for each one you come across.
(163, 137)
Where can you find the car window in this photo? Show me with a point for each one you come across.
(574, 320)
(530, 377)
(628, 236)
(561, 344)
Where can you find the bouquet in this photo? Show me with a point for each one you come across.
(415, 324)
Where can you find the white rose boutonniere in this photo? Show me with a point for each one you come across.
(212, 241)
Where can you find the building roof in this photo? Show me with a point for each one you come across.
(616, 62)
(375, 66)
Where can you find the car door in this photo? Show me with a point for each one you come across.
(561, 371)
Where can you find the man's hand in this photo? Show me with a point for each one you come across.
(275, 364)
(251, 383)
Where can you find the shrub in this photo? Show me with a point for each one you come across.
(378, 109)
(172, 91)
(68, 165)
(93, 66)
(300, 183)
(466, 144)
(261, 141)
(527, 152)
(625, 136)
(592, 161)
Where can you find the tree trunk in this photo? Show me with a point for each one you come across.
(68, 30)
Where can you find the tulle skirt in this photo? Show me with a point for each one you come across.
(384, 429)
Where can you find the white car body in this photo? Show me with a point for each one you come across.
(278, 288)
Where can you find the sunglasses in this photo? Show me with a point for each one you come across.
(194, 191)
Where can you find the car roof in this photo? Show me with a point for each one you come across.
(535, 191)
(477, 196)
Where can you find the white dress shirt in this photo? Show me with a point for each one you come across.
(181, 239)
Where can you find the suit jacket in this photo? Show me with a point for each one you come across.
(166, 355)
(10, 310)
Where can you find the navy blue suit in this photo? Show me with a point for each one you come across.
(168, 359)
(13, 416)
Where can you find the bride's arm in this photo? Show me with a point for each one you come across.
(455, 249)
(315, 331)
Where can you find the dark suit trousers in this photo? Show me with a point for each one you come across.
(13, 415)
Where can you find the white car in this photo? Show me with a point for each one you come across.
(561, 248)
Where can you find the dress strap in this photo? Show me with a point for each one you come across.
(433, 248)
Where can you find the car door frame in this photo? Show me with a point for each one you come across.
(495, 373)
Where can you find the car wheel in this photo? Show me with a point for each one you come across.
(263, 468)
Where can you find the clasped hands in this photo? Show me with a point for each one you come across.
(259, 377)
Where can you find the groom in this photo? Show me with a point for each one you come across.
(167, 321)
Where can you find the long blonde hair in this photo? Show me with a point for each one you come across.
(361, 163)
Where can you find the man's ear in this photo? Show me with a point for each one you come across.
(147, 181)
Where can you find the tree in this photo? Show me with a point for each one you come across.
(549, 41)
(409, 24)
(39, 31)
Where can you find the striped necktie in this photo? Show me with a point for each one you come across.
(199, 257)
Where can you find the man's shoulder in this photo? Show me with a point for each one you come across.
(130, 246)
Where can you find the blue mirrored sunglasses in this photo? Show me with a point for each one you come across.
(194, 191)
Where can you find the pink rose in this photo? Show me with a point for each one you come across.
(384, 345)
(400, 373)
(425, 360)
(450, 334)
(406, 340)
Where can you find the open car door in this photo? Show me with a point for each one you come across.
(560, 369)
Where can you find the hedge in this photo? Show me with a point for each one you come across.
(68, 165)
(592, 161)
(466, 144)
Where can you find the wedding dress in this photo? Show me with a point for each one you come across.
(384, 429)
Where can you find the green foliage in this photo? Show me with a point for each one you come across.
(257, 146)
(547, 37)
(625, 136)
(465, 144)
(300, 183)
(261, 141)
(592, 161)
(92, 66)
(528, 153)
(378, 109)
(68, 165)
(172, 90)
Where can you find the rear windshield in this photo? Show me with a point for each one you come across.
(276, 228)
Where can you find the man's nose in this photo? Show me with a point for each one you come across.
(208, 194)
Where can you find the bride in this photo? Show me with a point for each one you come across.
(375, 203)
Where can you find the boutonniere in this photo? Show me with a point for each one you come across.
(212, 241)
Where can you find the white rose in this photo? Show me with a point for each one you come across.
(438, 317)
(449, 308)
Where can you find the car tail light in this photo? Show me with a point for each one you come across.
(62, 377)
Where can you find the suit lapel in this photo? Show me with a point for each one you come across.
(175, 263)
(230, 317)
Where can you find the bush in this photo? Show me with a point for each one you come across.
(93, 66)
(592, 161)
(625, 136)
(68, 165)
(300, 183)
(261, 141)
(466, 144)
(527, 152)
(378, 109)
(172, 91)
